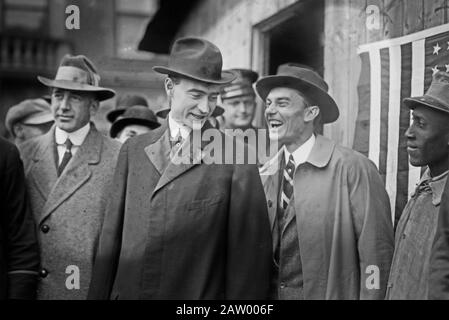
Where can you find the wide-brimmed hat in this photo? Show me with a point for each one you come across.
(141, 115)
(124, 102)
(436, 97)
(218, 111)
(30, 112)
(306, 81)
(78, 73)
(242, 85)
(196, 59)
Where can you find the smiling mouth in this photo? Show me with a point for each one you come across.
(274, 124)
(198, 117)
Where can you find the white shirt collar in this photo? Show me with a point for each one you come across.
(175, 127)
(77, 137)
(301, 154)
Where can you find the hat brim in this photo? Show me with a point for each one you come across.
(122, 123)
(101, 93)
(426, 101)
(315, 95)
(114, 114)
(44, 118)
(226, 76)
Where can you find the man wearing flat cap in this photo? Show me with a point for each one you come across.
(28, 119)
(428, 147)
(68, 172)
(136, 120)
(328, 208)
(188, 230)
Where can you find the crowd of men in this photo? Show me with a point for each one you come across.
(86, 216)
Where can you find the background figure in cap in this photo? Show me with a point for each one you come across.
(239, 100)
(328, 199)
(68, 172)
(19, 251)
(427, 146)
(190, 230)
(136, 120)
(28, 119)
(125, 101)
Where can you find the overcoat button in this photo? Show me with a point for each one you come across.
(45, 228)
(43, 273)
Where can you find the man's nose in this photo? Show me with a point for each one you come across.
(409, 133)
(241, 107)
(205, 105)
(64, 103)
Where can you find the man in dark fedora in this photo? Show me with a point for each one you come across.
(68, 173)
(125, 101)
(190, 230)
(427, 146)
(329, 211)
(28, 119)
(136, 120)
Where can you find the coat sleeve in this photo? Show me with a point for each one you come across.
(249, 251)
(108, 251)
(439, 259)
(22, 252)
(370, 205)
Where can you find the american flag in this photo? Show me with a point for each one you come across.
(392, 70)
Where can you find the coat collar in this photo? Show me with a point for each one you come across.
(78, 170)
(159, 149)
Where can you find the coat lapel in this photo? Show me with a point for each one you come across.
(43, 173)
(269, 174)
(158, 151)
(77, 172)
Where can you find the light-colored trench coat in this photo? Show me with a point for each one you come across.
(343, 221)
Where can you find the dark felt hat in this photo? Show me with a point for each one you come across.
(197, 59)
(241, 86)
(141, 115)
(124, 102)
(78, 73)
(306, 81)
(436, 97)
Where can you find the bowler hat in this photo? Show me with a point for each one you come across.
(78, 73)
(240, 86)
(306, 81)
(218, 111)
(124, 102)
(31, 112)
(436, 97)
(141, 115)
(197, 59)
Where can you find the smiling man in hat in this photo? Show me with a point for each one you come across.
(68, 173)
(136, 120)
(28, 119)
(190, 230)
(329, 211)
(427, 146)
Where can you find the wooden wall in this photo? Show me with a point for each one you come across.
(228, 23)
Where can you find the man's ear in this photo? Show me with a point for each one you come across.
(168, 84)
(94, 106)
(17, 131)
(310, 113)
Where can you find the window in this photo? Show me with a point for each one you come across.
(132, 17)
(24, 15)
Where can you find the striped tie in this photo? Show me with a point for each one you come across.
(67, 156)
(287, 183)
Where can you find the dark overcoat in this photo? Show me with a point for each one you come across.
(19, 253)
(187, 231)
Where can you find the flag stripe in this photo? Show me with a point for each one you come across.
(404, 120)
(375, 104)
(393, 125)
(418, 76)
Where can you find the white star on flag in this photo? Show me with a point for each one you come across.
(436, 49)
(435, 70)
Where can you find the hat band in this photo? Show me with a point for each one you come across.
(77, 75)
(237, 92)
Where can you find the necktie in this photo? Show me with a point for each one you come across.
(287, 183)
(176, 143)
(67, 156)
